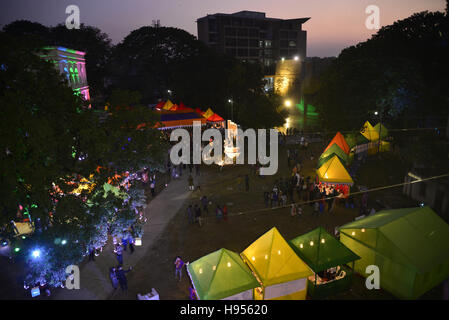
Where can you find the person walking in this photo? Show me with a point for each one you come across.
(119, 254)
(178, 267)
(113, 276)
(198, 215)
(191, 185)
(205, 202)
(121, 276)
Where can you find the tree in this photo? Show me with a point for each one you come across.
(400, 70)
(64, 163)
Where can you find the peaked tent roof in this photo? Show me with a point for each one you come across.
(384, 132)
(198, 110)
(167, 105)
(221, 274)
(340, 141)
(334, 149)
(321, 255)
(369, 132)
(333, 171)
(215, 118)
(419, 235)
(273, 260)
(208, 113)
(160, 105)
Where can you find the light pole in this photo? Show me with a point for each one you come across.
(232, 109)
(380, 129)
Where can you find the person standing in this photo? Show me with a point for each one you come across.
(121, 276)
(152, 186)
(113, 276)
(198, 215)
(178, 267)
(205, 202)
(91, 254)
(293, 210)
(218, 213)
(119, 253)
(191, 185)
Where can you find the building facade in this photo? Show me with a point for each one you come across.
(72, 65)
(251, 36)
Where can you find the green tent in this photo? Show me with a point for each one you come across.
(384, 132)
(410, 247)
(334, 149)
(222, 274)
(321, 251)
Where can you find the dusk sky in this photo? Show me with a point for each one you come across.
(334, 24)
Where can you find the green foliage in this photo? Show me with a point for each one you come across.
(50, 145)
(401, 72)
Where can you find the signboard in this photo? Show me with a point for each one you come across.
(35, 292)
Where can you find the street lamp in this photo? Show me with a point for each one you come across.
(288, 103)
(296, 58)
(232, 109)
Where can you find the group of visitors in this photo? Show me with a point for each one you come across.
(195, 212)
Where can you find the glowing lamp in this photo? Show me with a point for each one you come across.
(138, 242)
(36, 253)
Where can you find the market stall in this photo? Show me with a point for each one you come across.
(281, 273)
(340, 141)
(410, 247)
(333, 173)
(328, 259)
(330, 152)
(222, 275)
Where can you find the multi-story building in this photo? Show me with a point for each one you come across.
(72, 65)
(251, 36)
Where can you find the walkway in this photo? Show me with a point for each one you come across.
(95, 282)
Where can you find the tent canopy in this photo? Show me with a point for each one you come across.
(215, 118)
(333, 171)
(340, 141)
(369, 132)
(221, 274)
(167, 105)
(333, 150)
(414, 235)
(273, 260)
(383, 133)
(322, 251)
(208, 113)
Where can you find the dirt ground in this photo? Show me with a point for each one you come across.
(248, 219)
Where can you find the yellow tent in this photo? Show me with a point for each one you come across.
(369, 132)
(282, 274)
(168, 105)
(208, 113)
(333, 171)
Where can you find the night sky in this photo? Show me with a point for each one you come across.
(334, 24)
